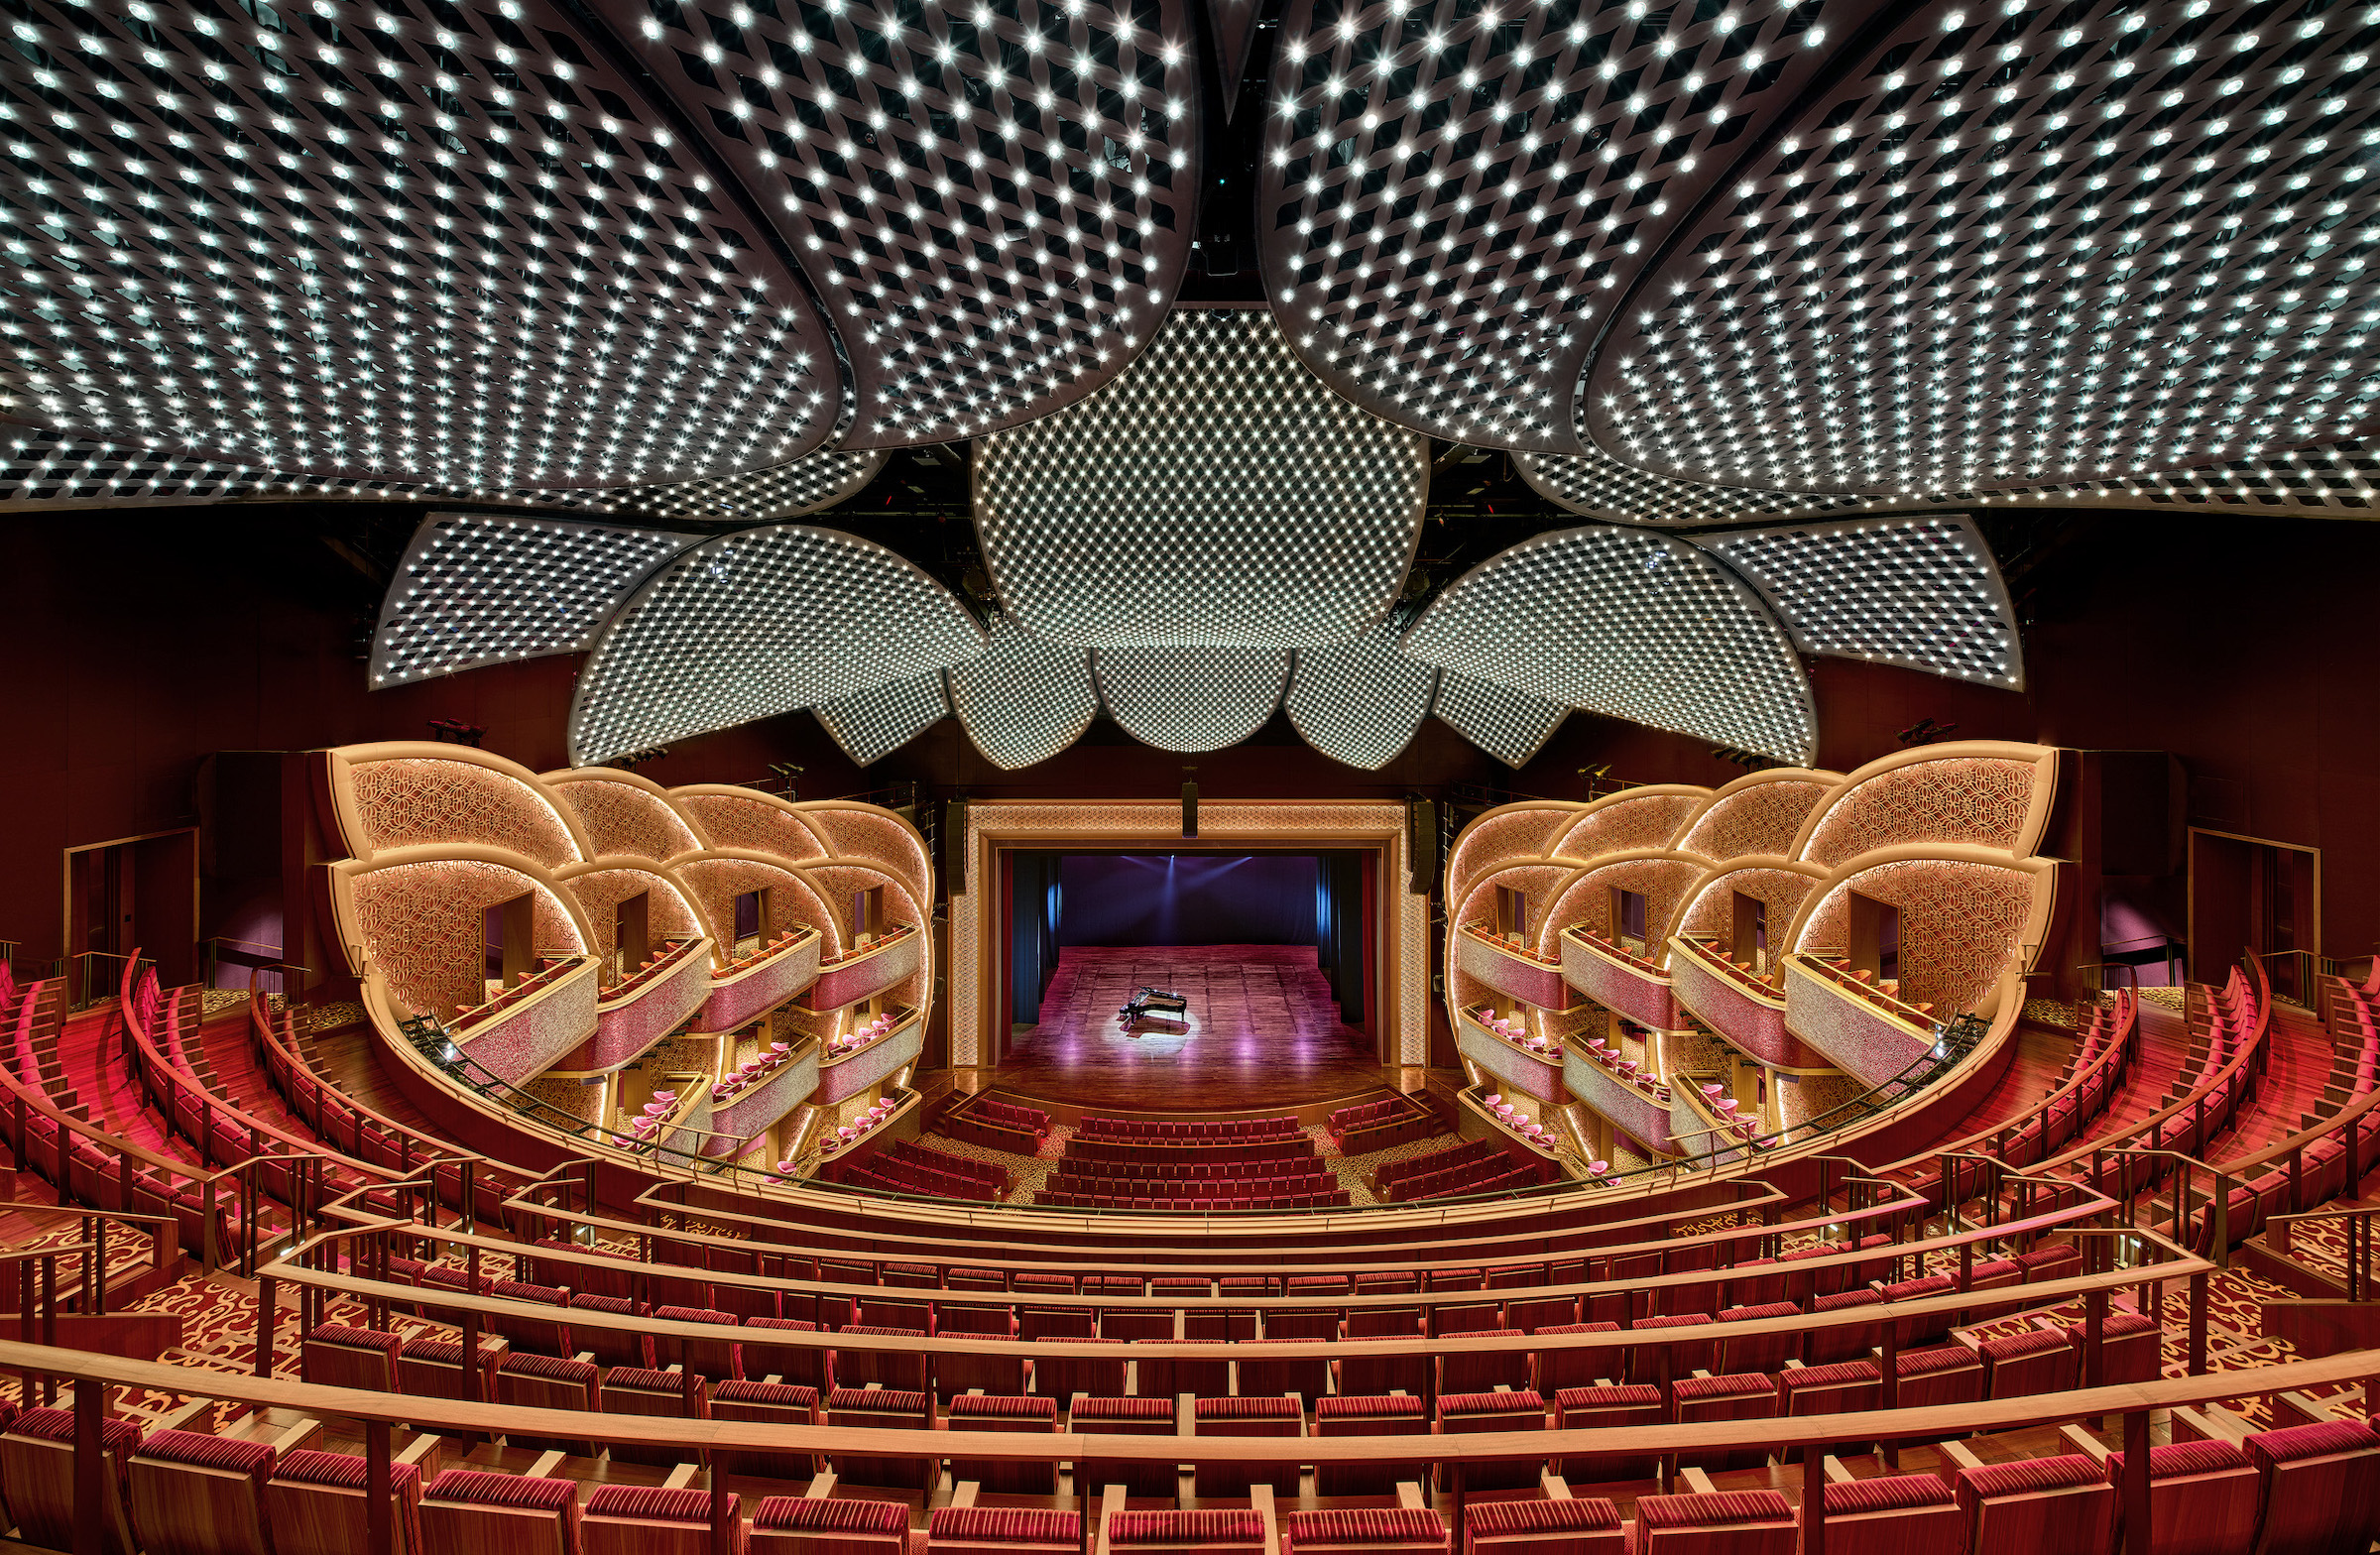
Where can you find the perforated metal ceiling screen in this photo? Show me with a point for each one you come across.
(994, 200)
(428, 243)
(1630, 624)
(1511, 726)
(1190, 699)
(1214, 494)
(1920, 592)
(474, 589)
(2026, 243)
(1023, 701)
(870, 725)
(761, 622)
(1360, 702)
(1451, 192)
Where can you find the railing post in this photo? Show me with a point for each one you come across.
(2137, 1530)
(379, 1535)
(1888, 1377)
(2197, 1324)
(723, 1521)
(90, 1399)
(267, 1295)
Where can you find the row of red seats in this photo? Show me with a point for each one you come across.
(1189, 1131)
(1390, 1173)
(1218, 1196)
(1488, 1174)
(997, 1178)
(1298, 1147)
(1202, 1188)
(1193, 1171)
(886, 1174)
(1032, 1118)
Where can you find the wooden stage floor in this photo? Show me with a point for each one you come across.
(1262, 1030)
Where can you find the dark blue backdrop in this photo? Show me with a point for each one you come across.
(1186, 899)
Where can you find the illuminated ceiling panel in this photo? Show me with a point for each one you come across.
(1630, 624)
(785, 491)
(994, 202)
(1511, 726)
(1600, 487)
(2026, 244)
(1190, 699)
(1360, 702)
(1214, 494)
(1450, 192)
(1023, 701)
(870, 725)
(1921, 592)
(476, 589)
(369, 242)
(757, 623)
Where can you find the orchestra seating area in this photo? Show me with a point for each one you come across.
(907, 1166)
(1474, 1168)
(1191, 1165)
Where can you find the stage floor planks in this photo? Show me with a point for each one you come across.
(1262, 1029)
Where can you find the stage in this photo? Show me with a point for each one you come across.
(1261, 1031)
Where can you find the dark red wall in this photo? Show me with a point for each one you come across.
(135, 646)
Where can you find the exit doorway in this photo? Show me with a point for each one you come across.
(2252, 894)
(126, 895)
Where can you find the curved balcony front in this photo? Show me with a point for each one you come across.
(759, 1106)
(1852, 1025)
(1642, 1114)
(1746, 1011)
(1509, 969)
(528, 1029)
(865, 972)
(747, 989)
(848, 1073)
(1530, 1073)
(632, 1016)
(1621, 981)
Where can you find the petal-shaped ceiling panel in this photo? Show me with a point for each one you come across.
(785, 491)
(1023, 701)
(1214, 494)
(757, 623)
(1451, 191)
(453, 249)
(1190, 699)
(478, 589)
(870, 725)
(2028, 244)
(994, 202)
(1630, 624)
(1923, 592)
(1511, 726)
(1360, 702)
(1600, 487)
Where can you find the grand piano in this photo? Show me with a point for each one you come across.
(1153, 1000)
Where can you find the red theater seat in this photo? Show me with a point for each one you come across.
(1901, 1514)
(1222, 1530)
(803, 1365)
(1256, 1417)
(36, 1473)
(1608, 1408)
(1003, 1530)
(1574, 1526)
(549, 1382)
(1116, 1416)
(2201, 1497)
(538, 1336)
(468, 1510)
(1558, 1370)
(1724, 1522)
(826, 1525)
(1379, 1415)
(671, 1396)
(1707, 1400)
(2131, 1346)
(2037, 1506)
(1461, 1414)
(2039, 1361)
(766, 1403)
(649, 1519)
(882, 1410)
(2320, 1487)
(193, 1494)
(611, 1347)
(316, 1505)
(337, 1356)
(714, 1359)
(1387, 1530)
(1004, 1413)
(903, 1370)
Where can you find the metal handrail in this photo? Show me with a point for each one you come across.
(2359, 1259)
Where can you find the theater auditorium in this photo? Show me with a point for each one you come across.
(1189, 777)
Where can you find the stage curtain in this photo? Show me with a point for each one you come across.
(1339, 930)
(1033, 913)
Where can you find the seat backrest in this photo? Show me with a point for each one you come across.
(193, 1494)
(521, 1514)
(36, 1473)
(1598, 1408)
(2201, 1497)
(2320, 1487)
(1208, 1530)
(1374, 1530)
(1893, 1514)
(1577, 1525)
(2037, 1506)
(315, 1504)
(829, 1526)
(1003, 1530)
(1738, 1522)
(650, 1519)
(337, 1356)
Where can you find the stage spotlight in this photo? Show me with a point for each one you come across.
(1190, 804)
